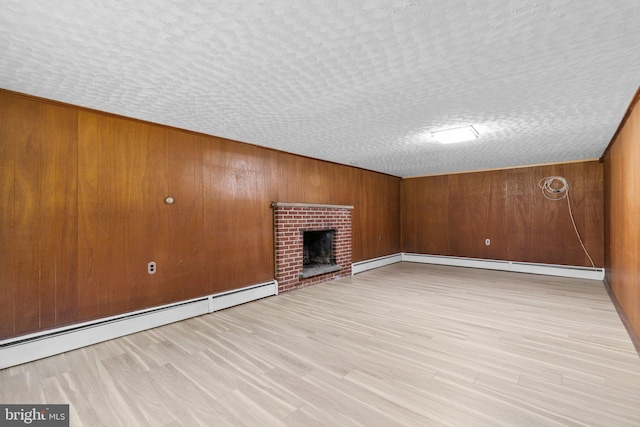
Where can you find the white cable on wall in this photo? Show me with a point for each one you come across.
(553, 191)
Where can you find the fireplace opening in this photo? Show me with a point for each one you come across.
(317, 253)
(317, 248)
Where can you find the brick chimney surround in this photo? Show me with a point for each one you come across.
(291, 220)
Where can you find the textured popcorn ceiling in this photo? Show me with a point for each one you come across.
(354, 82)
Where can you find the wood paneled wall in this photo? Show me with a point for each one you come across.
(376, 219)
(454, 214)
(38, 215)
(622, 215)
(82, 212)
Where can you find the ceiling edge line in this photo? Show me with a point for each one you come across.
(593, 159)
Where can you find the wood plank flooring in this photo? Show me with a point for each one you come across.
(403, 345)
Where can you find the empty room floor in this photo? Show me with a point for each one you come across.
(407, 345)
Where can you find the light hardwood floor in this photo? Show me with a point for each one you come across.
(407, 344)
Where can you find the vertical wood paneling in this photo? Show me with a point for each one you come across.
(453, 215)
(541, 230)
(622, 219)
(8, 111)
(305, 180)
(425, 219)
(41, 238)
(535, 218)
(93, 272)
(176, 234)
(138, 166)
(48, 214)
(58, 194)
(477, 211)
(27, 221)
(376, 217)
(300, 180)
(608, 178)
(122, 167)
(239, 186)
(592, 230)
(528, 237)
(127, 170)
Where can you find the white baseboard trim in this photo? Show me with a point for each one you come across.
(240, 296)
(370, 264)
(27, 348)
(519, 267)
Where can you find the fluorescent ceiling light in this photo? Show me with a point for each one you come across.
(449, 136)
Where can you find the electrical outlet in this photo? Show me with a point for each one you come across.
(487, 242)
(151, 268)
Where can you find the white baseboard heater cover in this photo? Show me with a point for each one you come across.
(488, 264)
(370, 264)
(27, 348)
(518, 267)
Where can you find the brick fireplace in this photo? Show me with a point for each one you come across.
(291, 221)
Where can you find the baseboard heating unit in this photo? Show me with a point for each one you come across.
(369, 264)
(487, 264)
(518, 267)
(26, 348)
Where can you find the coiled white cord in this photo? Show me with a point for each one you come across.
(553, 191)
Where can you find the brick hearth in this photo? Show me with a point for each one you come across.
(290, 221)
